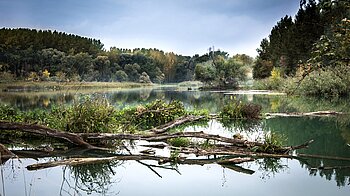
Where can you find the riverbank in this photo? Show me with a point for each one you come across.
(55, 86)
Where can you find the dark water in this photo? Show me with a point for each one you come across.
(304, 176)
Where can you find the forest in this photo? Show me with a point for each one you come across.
(44, 55)
(300, 53)
(309, 53)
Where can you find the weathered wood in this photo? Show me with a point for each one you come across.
(237, 168)
(166, 136)
(237, 160)
(300, 114)
(45, 131)
(305, 145)
(5, 154)
(82, 161)
(175, 123)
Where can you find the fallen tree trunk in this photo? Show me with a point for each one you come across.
(166, 136)
(300, 114)
(45, 131)
(160, 159)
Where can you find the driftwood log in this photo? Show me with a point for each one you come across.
(300, 114)
(160, 159)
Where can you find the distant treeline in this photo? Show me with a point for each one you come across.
(29, 54)
(316, 36)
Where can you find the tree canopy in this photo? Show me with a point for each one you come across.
(293, 42)
(30, 54)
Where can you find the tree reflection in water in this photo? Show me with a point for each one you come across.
(269, 167)
(89, 178)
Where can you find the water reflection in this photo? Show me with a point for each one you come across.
(331, 137)
(120, 98)
(90, 179)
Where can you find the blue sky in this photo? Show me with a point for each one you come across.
(183, 26)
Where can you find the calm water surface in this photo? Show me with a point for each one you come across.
(266, 177)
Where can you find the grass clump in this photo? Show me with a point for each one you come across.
(273, 143)
(238, 110)
(152, 114)
(179, 142)
(91, 116)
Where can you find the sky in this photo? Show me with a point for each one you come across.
(185, 27)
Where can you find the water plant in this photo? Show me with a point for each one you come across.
(273, 143)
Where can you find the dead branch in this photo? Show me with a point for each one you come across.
(182, 120)
(331, 167)
(323, 157)
(237, 168)
(142, 112)
(5, 154)
(45, 131)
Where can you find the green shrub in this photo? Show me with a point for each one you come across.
(9, 113)
(331, 82)
(152, 114)
(91, 115)
(272, 143)
(238, 110)
(6, 77)
(274, 82)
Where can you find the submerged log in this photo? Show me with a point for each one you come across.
(45, 131)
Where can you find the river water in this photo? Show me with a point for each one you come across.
(306, 176)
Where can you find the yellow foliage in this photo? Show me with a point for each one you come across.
(46, 74)
(33, 76)
(275, 74)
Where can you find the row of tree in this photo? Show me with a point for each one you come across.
(299, 41)
(46, 55)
